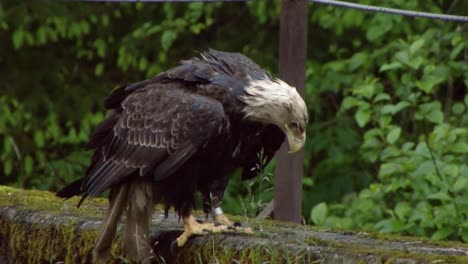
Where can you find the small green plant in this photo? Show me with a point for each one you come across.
(258, 189)
(250, 197)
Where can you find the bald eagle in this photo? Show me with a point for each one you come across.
(182, 131)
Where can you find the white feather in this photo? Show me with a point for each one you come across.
(272, 102)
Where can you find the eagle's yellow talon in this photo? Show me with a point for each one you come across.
(192, 227)
(222, 218)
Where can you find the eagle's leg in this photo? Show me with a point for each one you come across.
(192, 227)
(136, 243)
(212, 204)
(117, 203)
(220, 217)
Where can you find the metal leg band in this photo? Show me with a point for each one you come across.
(217, 211)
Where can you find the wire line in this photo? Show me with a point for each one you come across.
(392, 10)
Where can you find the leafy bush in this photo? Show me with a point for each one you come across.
(45, 147)
(408, 97)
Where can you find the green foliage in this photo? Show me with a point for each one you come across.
(407, 96)
(32, 147)
(319, 214)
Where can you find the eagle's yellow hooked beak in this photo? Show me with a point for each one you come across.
(295, 141)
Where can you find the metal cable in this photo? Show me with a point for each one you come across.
(392, 10)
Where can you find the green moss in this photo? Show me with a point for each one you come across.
(43, 200)
(30, 233)
(389, 256)
(216, 252)
(39, 248)
(422, 240)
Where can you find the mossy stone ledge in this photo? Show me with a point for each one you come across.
(37, 227)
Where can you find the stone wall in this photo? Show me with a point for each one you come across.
(36, 227)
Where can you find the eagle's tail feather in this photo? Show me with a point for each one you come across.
(71, 190)
(136, 242)
(117, 202)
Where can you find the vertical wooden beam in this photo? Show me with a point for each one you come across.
(292, 60)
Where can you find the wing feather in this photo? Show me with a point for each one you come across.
(159, 129)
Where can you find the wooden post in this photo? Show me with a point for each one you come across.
(292, 59)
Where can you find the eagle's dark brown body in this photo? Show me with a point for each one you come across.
(182, 131)
(177, 133)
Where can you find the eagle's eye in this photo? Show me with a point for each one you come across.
(296, 126)
(293, 125)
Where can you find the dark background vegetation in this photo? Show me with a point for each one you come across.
(387, 146)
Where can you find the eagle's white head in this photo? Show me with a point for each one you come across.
(275, 102)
